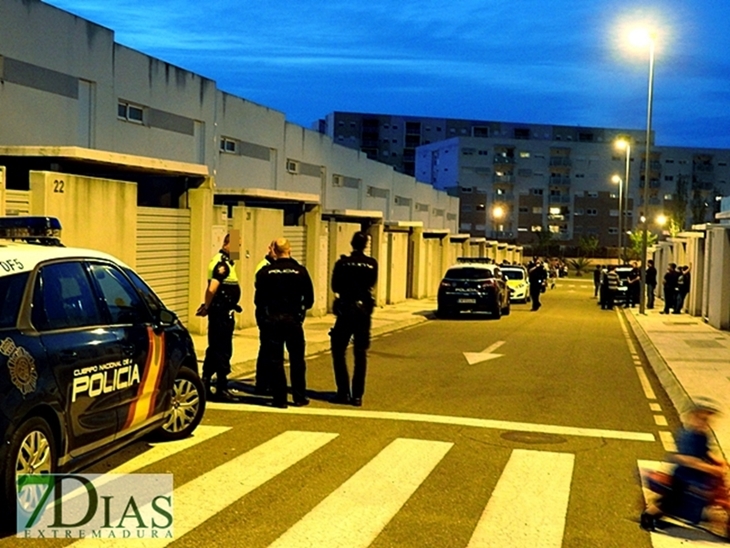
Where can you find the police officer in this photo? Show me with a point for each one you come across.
(284, 293)
(221, 301)
(353, 279)
(537, 275)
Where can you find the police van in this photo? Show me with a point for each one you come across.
(90, 358)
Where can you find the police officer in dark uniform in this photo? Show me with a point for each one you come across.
(284, 293)
(353, 279)
(221, 301)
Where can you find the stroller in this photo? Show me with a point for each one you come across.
(705, 507)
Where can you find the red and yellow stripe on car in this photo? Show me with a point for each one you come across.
(144, 404)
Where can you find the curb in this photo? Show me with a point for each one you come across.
(674, 389)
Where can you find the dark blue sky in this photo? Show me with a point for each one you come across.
(539, 61)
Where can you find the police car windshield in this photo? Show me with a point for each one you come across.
(11, 293)
(467, 273)
(513, 274)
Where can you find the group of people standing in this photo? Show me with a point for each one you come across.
(283, 294)
(676, 286)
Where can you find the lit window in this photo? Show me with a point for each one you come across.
(524, 154)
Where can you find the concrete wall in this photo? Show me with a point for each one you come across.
(718, 251)
(95, 213)
(397, 271)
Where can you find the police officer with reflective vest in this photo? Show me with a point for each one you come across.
(353, 279)
(284, 293)
(221, 301)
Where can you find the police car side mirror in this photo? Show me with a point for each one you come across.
(166, 318)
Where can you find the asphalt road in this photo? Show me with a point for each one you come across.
(535, 445)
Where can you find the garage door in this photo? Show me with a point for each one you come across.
(163, 255)
(17, 202)
(297, 236)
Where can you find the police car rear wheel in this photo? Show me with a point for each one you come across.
(32, 451)
(187, 406)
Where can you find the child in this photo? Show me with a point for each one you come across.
(698, 475)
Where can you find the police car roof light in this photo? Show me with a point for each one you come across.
(41, 230)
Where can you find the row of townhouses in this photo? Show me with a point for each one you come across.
(514, 179)
(154, 164)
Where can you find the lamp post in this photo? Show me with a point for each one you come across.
(624, 144)
(617, 179)
(643, 37)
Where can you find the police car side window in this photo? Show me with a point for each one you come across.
(63, 298)
(11, 293)
(148, 295)
(124, 303)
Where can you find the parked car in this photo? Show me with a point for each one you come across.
(473, 286)
(90, 358)
(621, 296)
(518, 283)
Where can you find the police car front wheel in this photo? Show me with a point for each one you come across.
(187, 406)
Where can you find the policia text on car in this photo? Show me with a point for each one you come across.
(221, 301)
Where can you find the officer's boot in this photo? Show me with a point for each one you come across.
(222, 394)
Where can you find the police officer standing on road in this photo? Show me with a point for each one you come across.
(537, 275)
(353, 279)
(221, 301)
(284, 293)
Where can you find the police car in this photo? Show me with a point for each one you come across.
(90, 359)
(518, 282)
(474, 285)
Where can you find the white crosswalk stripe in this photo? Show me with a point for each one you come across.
(204, 497)
(354, 514)
(529, 503)
(527, 508)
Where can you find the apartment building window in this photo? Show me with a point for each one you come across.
(483, 152)
(721, 164)
(578, 211)
(130, 112)
(292, 166)
(481, 207)
(668, 197)
(466, 189)
(668, 161)
(468, 151)
(612, 230)
(537, 210)
(228, 145)
(386, 126)
(466, 208)
(536, 228)
(683, 162)
(524, 154)
(522, 133)
(524, 209)
(669, 177)
(580, 175)
(592, 194)
(479, 131)
(537, 192)
(591, 211)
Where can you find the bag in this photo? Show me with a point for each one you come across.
(658, 482)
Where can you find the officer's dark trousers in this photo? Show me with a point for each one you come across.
(650, 289)
(535, 297)
(220, 347)
(262, 362)
(357, 328)
(276, 335)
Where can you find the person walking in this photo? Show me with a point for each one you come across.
(650, 283)
(670, 288)
(683, 286)
(284, 293)
(263, 383)
(537, 276)
(612, 281)
(221, 301)
(353, 279)
(596, 280)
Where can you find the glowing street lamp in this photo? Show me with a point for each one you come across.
(661, 219)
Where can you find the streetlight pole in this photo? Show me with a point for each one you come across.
(647, 179)
(626, 199)
(617, 179)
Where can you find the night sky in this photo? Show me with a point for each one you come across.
(533, 61)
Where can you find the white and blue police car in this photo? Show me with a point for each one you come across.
(90, 358)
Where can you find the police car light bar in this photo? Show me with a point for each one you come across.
(482, 260)
(43, 230)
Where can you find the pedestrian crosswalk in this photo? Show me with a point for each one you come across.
(527, 507)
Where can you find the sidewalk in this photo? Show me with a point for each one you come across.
(690, 358)
(316, 332)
